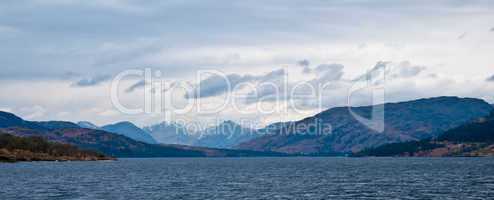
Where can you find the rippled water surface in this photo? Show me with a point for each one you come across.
(252, 178)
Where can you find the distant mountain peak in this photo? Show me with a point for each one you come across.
(89, 125)
(5, 115)
(124, 123)
(130, 130)
(114, 143)
(228, 123)
(10, 120)
(53, 125)
(227, 134)
(164, 124)
(170, 133)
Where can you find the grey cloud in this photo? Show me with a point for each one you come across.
(118, 6)
(391, 71)
(85, 44)
(275, 89)
(462, 36)
(327, 73)
(264, 92)
(274, 75)
(410, 71)
(490, 79)
(216, 85)
(432, 75)
(324, 69)
(492, 29)
(91, 81)
(303, 63)
(106, 37)
(327, 67)
(127, 52)
(306, 70)
(135, 86)
(406, 70)
(328, 77)
(373, 73)
(8, 30)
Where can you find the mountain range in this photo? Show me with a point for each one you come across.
(108, 143)
(124, 128)
(227, 134)
(404, 121)
(131, 131)
(405, 124)
(170, 133)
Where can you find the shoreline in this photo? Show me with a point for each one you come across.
(17, 155)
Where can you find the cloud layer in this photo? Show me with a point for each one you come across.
(61, 69)
(219, 83)
(91, 81)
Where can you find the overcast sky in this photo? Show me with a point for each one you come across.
(58, 57)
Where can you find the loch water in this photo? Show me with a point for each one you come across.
(251, 178)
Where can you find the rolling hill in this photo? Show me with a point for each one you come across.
(404, 121)
(14, 148)
(475, 138)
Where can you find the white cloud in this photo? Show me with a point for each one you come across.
(109, 113)
(33, 112)
(6, 109)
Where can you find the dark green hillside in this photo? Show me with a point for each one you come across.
(404, 148)
(479, 131)
(13, 148)
(471, 139)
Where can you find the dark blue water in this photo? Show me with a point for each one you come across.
(252, 178)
